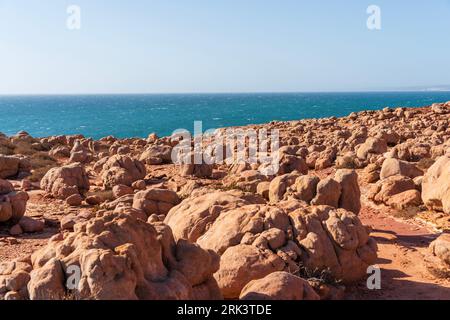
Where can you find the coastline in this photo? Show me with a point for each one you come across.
(126, 116)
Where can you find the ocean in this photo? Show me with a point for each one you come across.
(138, 115)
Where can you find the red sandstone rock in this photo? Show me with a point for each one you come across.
(278, 286)
(65, 181)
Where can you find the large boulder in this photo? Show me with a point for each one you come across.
(191, 218)
(59, 152)
(325, 159)
(14, 277)
(12, 203)
(328, 193)
(346, 161)
(48, 282)
(371, 173)
(279, 285)
(305, 187)
(280, 185)
(289, 163)
(243, 263)
(31, 225)
(392, 167)
(334, 241)
(436, 185)
(121, 257)
(157, 154)
(411, 150)
(6, 186)
(373, 145)
(9, 166)
(230, 227)
(255, 240)
(121, 190)
(247, 180)
(350, 192)
(155, 201)
(188, 165)
(14, 167)
(440, 108)
(65, 181)
(6, 211)
(80, 152)
(121, 169)
(13, 206)
(202, 170)
(438, 260)
(385, 189)
(405, 200)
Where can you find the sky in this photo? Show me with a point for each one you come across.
(199, 46)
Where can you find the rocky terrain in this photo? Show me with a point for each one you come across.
(116, 219)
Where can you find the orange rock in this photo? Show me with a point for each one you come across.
(278, 286)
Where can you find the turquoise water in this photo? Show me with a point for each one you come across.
(138, 115)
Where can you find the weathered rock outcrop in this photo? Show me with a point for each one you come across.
(9, 166)
(60, 152)
(191, 218)
(120, 169)
(122, 257)
(333, 240)
(12, 203)
(436, 185)
(306, 187)
(341, 191)
(255, 240)
(290, 161)
(383, 190)
(280, 184)
(155, 201)
(190, 166)
(80, 153)
(243, 263)
(14, 277)
(372, 146)
(279, 286)
(438, 261)
(247, 180)
(65, 181)
(328, 193)
(405, 200)
(392, 167)
(157, 154)
(202, 170)
(13, 166)
(350, 192)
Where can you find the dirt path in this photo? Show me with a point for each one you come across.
(402, 245)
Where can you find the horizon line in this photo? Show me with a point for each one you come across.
(225, 92)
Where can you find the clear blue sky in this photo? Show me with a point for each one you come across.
(222, 46)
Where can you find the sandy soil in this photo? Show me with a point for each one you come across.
(402, 246)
